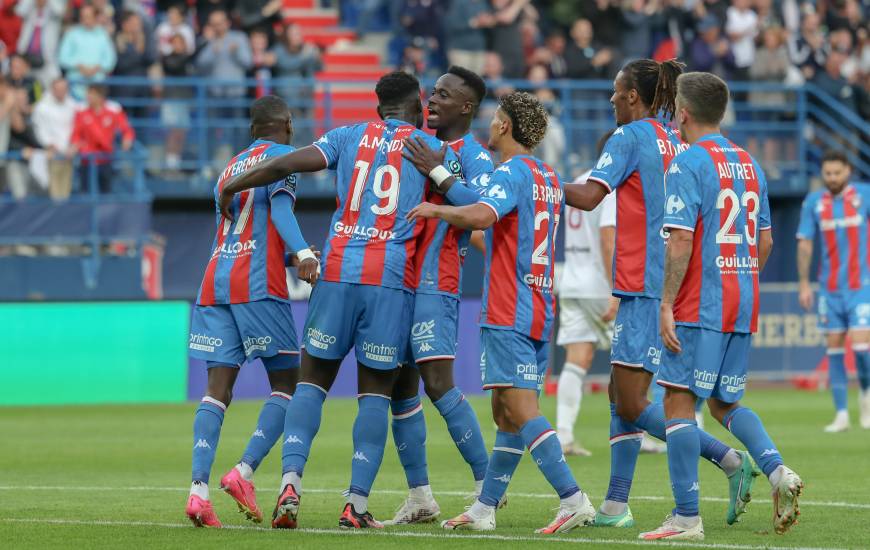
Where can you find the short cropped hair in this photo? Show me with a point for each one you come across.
(268, 109)
(704, 95)
(470, 79)
(528, 117)
(834, 155)
(396, 87)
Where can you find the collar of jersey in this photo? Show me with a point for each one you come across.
(709, 137)
(396, 122)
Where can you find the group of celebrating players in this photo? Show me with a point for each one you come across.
(692, 234)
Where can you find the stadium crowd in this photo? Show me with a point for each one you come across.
(45, 122)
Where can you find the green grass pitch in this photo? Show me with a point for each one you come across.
(117, 476)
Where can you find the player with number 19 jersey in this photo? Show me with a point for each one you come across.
(364, 299)
(519, 307)
(441, 250)
(242, 309)
(716, 190)
(633, 164)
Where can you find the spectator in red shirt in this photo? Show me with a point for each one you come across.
(94, 131)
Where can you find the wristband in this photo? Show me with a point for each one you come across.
(439, 175)
(305, 254)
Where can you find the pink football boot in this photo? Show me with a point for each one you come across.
(201, 513)
(243, 493)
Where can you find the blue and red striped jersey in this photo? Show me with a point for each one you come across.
(633, 163)
(718, 191)
(370, 241)
(441, 247)
(841, 223)
(527, 197)
(247, 260)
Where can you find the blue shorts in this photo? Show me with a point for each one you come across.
(844, 310)
(434, 329)
(512, 360)
(230, 334)
(712, 363)
(373, 319)
(636, 340)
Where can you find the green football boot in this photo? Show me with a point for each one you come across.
(740, 487)
(624, 519)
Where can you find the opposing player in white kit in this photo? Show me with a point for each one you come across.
(586, 307)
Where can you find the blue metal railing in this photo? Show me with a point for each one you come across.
(209, 117)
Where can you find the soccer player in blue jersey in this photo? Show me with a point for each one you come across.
(718, 217)
(633, 165)
(519, 206)
(838, 214)
(441, 250)
(243, 312)
(365, 298)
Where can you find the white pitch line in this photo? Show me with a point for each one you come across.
(97, 488)
(415, 534)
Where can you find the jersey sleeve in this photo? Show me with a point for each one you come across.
(807, 224)
(286, 185)
(331, 144)
(608, 211)
(764, 221)
(682, 197)
(617, 161)
(501, 193)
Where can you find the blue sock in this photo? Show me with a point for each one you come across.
(301, 424)
(684, 448)
(409, 435)
(206, 433)
(625, 440)
(747, 427)
(652, 419)
(270, 426)
(837, 376)
(369, 439)
(506, 455)
(538, 435)
(862, 365)
(465, 430)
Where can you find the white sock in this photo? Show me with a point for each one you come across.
(686, 522)
(613, 508)
(478, 487)
(199, 489)
(573, 501)
(291, 478)
(423, 492)
(246, 471)
(776, 475)
(360, 503)
(479, 510)
(731, 462)
(569, 396)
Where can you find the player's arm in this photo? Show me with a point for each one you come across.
(472, 217)
(285, 222)
(585, 196)
(804, 259)
(607, 236)
(765, 247)
(478, 241)
(306, 159)
(678, 252)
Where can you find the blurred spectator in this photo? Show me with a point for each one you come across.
(53, 124)
(832, 82)
(716, 8)
(10, 24)
(21, 77)
(204, 9)
(7, 103)
(710, 51)
(174, 113)
(135, 56)
(424, 19)
(262, 61)
(294, 58)
(768, 16)
(40, 35)
(606, 19)
(505, 35)
(465, 25)
(843, 14)
(226, 57)
(840, 40)
(175, 23)
(552, 55)
(105, 14)
(808, 49)
(553, 147)
(93, 137)
(493, 73)
(639, 18)
(22, 141)
(258, 14)
(585, 58)
(741, 25)
(771, 67)
(415, 59)
(86, 51)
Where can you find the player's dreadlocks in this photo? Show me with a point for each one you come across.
(656, 83)
(528, 118)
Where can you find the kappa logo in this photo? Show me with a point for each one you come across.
(695, 487)
(619, 131)
(674, 205)
(424, 347)
(202, 444)
(323, 140)
(769, 452)
(504, 168)
(466, 437)
(496, 192)
(605, 161)
(483, 156)
(674, 169)
(360, 456)
(504, 478)
(259, 433)
(292, 439)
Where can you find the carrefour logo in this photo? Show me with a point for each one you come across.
(674, 205)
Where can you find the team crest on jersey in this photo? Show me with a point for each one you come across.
(455, 168)
(605, 161)
(290, 184)
(674, 205)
